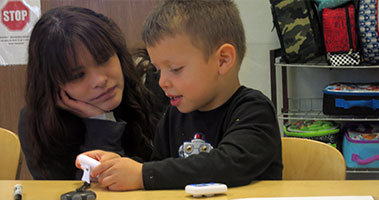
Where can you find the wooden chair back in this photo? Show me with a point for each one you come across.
(306, 159)
(10, 150)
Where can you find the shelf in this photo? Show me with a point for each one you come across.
(311, 109)
(362, 171)
(325, 65)
(362, 174)
(321, 63)
(318, 115)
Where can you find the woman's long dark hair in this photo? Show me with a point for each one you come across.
(52, 52)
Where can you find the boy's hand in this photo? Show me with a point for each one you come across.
(98, 155)
(120, 174)
(79, 108)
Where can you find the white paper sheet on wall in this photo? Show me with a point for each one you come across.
(16, 24)
(314, 198)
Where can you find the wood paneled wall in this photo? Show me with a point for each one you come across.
(128, 14)
(12, 90)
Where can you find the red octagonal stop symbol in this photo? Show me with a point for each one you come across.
(15, 15)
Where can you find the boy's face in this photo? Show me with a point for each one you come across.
(186, 77)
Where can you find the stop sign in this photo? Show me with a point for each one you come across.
(15, 15)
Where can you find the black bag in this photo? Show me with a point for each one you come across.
(351, 99)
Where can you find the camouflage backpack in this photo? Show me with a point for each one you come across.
(297, 25)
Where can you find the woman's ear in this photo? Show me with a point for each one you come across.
(227, 57)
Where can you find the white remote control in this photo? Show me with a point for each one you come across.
(86, 160)
(87, 164)
(206, 189)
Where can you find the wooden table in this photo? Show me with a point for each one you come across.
(51, 190)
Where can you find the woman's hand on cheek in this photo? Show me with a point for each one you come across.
(79, 108)
(120, 174)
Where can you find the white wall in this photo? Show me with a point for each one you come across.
(257, 19)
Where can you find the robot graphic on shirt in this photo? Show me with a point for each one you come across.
(196, 146)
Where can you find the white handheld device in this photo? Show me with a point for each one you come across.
(206, 189)
(87, 164)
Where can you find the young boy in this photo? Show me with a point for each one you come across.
(215, 129)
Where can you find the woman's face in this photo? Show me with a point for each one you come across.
(100, 85)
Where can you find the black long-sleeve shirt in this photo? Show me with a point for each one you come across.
(246, 144)
(99, 134)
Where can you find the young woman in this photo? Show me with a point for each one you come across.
(83, 92)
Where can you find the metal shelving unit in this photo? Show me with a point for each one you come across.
(311, 108)
(276, 63)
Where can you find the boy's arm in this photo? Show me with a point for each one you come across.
(249, 150)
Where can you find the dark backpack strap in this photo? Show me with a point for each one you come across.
(316, 25)
(348, 26)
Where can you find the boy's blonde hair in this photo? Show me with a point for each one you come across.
(208, 23)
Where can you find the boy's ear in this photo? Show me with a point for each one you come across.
(227, 57)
